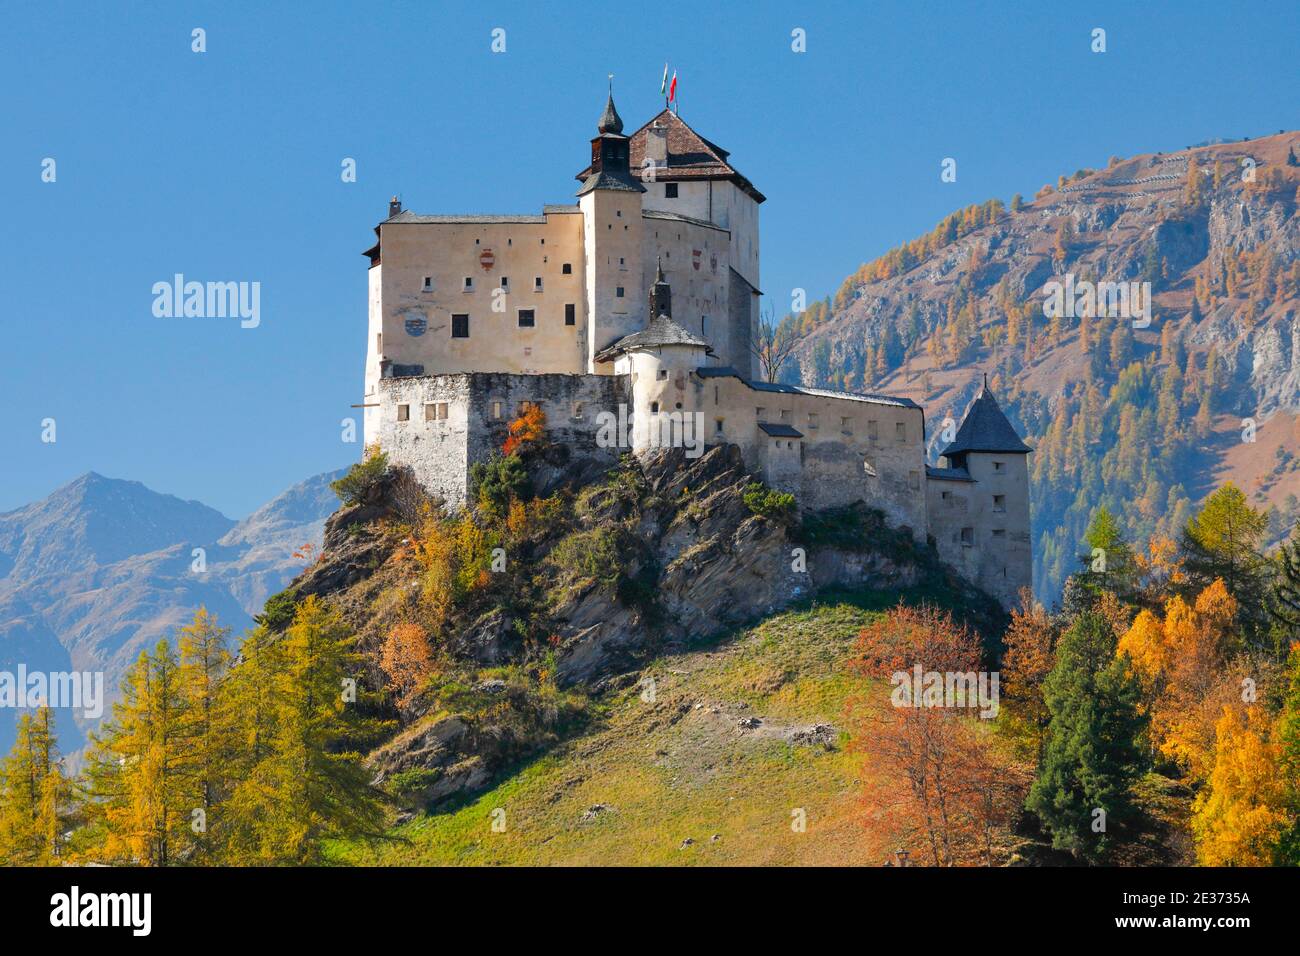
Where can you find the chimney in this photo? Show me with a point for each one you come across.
(394, 207)
(656, 145)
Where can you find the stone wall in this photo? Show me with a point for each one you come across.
(455, 420)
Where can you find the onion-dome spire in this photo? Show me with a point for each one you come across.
(610, 121)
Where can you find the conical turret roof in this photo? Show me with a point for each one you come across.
(985, 428)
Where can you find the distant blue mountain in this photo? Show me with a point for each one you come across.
(102, 568)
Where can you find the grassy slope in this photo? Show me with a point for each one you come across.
(681, 767)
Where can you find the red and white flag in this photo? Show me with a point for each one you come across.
(672, 88)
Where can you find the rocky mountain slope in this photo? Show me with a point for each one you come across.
(1144, 419)
(653, 559)
(103, 567)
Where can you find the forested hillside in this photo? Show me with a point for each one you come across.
(1144, 417)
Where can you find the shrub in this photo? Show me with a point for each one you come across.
(278, 611)
(588, 554)
(361, 477)
(763, 501)
(498, 481)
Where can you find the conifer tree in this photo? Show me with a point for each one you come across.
(1223, 541)
(138, 800)
(207, 726)
(1082, 792)
(32, 794)
(308, 785)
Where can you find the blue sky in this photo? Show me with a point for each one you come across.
(225, 166)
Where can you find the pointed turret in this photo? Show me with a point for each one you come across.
(610, 121)
(985, 428)
(610, 155)
(661, 294)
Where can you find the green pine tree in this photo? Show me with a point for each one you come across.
(1093, 754)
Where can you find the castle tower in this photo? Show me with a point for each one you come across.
(990, 542)
(610, 200)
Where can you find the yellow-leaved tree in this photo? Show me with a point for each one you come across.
(1240, 813)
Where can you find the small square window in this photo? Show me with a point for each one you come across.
(812, 419)
(999, 502)
(469, 284)
(670, 190)
(496, 409)
(997, 466)
(428, 284)
(785, 414)
(403, 413)
(945, 495)
(566, 269)
(654, 408)
(914, 479)
(999, 532)
(505, 283)
(662, 374)
(577, 410)
(760, 413)
(460, 326)
(570, 314)
(717, 426)
(968, 536)
(873, 430)
(526, 319)
(537, 283)
(900, 432)
(430, 412)
(619, 292)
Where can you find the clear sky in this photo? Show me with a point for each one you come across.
(226, 165)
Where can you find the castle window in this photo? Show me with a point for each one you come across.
(537, 283)
(662, 374)
(460, 326)
(812, 419)
(527, 318)
(428, 283)
(435, 411)
(999, 502)
(670, 190)
(999, 532)
(469, 284)
(567, 269)
(654, 408)
(403, 413)
(717, 426)
(869, 468)
(914, 479)
(505, 283)
(619, 292)
(945, 495)
(967, 537)
(785, 414)
(900, 432)
(496, 409)
(577, 410)
(846, 425)
(760, 412)
(997, 466)
(873, 430)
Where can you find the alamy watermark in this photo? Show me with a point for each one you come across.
(921, 688)
(56, 689)
(676, 429)
(209, 300)
(1116, 300)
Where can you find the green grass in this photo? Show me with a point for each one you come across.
(680, 768)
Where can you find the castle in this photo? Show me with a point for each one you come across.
(639, 303)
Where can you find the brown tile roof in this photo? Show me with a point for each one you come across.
(690, 156)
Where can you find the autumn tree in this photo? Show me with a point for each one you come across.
(1223, 541)
(207, 726)
(33, 794)
(310, 783)
(1082, 791)
(1239, 816)
(407, 660)
(1028, 659)
(139, 801)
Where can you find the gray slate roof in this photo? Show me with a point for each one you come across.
(660, 331)
(779, 430)
(726, 371)
(985, 428)
(948, 474)
(607, 180)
